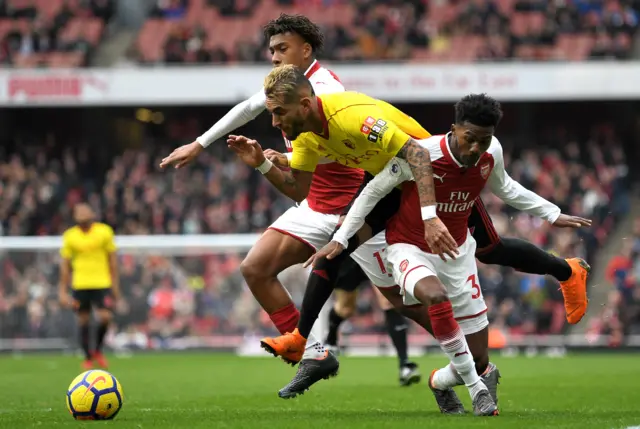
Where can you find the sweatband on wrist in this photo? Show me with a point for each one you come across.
(265, 166)
(428, 212)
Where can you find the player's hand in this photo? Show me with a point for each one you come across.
(248, 150)
(329, 251)
(278, 159)
(567, 221)
(65, 300)
(439, 240)
(183, 155)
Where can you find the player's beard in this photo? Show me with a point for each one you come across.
(297, 128)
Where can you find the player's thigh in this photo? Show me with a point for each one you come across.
(372, 259)
(290, 240)
(482, 228)
(411, 266)
(460, 278)
(350, 276)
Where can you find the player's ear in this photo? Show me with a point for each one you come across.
(453, 128)
(307, 51)
(305, 102)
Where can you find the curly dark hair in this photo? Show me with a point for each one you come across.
(478, 109)
(298, 24)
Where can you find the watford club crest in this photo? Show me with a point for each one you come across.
(485, 170)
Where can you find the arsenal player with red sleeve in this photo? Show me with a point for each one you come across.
(463, 161)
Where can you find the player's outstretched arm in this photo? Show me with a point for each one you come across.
(238, 116)
(437, 235)
(395, 172)
(521, 198)
(294, 184)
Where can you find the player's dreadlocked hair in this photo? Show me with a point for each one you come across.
(478, 109)
(285, 82)
(298, 24)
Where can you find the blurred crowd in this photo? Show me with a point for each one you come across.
(620, 315)
(454, 30)
(52, 32)
(174, 296)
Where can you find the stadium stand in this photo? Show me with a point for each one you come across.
(620, 316)
(197, 31)
(172, 297)
(52, 33)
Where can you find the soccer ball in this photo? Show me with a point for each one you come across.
(94, 395)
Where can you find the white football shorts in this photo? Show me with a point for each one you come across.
(371, 257)
(316, 229)
(305, 225)
(409, 265)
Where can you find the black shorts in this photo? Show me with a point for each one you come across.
(86, 299)
(482, 228)
(350, 276)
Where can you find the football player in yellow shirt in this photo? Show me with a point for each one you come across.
(354, 130)
(89, 264)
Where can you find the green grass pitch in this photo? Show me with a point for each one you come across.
(209, 390)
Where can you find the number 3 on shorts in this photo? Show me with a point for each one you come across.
(475, 287)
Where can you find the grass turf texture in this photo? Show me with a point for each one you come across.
(224, 391)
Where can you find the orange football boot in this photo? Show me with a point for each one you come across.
(100, 360)
(290, 346)
(574, 290)
(87, 364)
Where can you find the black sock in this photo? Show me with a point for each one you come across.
(397, 329)
(84, 340)
(319, 288)
(526, 257)
(102, 331)
(335, 320)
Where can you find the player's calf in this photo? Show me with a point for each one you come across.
(104, 320)
(84, 335)
(432, 293)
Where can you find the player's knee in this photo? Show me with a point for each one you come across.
(430, 291)
(253, 272)
(83, 318)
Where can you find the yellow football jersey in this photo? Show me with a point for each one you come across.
(89, 255)
(359, 132)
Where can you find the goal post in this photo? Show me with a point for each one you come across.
(189, 288)
(187, 292)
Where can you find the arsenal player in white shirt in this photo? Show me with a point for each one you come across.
(464, 161)
(295, 236)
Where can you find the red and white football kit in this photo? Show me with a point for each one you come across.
(333, 187)
(408, 256)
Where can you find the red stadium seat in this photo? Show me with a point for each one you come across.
(227, 31)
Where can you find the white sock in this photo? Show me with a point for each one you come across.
(314, 348)
(455, 346)
(446, 377)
